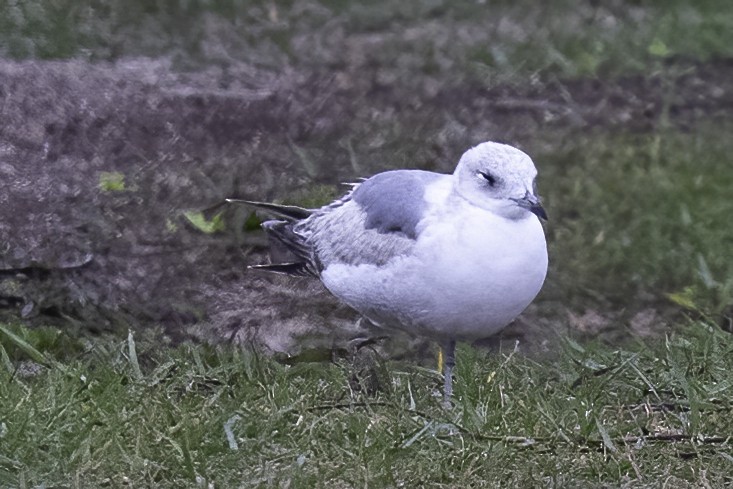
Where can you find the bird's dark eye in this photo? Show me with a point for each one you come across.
(489, 178)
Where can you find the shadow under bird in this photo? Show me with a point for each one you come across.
(451, 257)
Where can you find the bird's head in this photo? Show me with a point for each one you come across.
(499, 178)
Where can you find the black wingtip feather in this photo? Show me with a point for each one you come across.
(294, 269)
(289, 212)
(282, 230)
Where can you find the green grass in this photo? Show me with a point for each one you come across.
(591, 416)
(491, 42)
(647, 213)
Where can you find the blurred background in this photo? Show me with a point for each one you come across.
(124, 126)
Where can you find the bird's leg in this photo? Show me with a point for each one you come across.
(449, 353)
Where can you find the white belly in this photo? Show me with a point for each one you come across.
(466, 279)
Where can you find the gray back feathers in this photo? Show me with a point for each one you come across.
(394, 200)
(372, 224)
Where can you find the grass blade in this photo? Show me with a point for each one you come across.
(25, 347)
(607, 441)
(132, 355)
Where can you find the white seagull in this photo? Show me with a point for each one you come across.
(449, 257)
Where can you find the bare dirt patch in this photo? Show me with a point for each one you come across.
(75, 252)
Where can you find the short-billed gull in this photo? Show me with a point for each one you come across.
(450, 257)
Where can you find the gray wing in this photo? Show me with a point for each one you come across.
(374, 223)
(394, 201)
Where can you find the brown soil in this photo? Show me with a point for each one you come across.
(74, 253)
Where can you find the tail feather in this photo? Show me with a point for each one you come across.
(294, 242)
